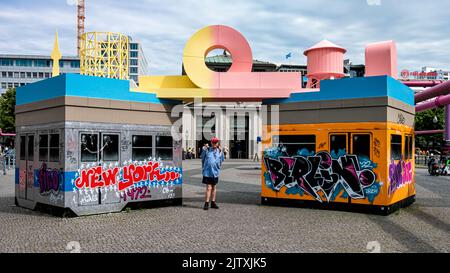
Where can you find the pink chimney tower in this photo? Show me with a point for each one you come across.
(325, 60)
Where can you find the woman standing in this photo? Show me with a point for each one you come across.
(212, 159)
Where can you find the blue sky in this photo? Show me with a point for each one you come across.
(273, 28)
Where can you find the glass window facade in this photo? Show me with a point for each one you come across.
(54, 148)
(24, 62)
(396, 147)
(361, 145)
(6, 62)
(338, 144)
(110, 147)
(294, 145)
(42, 63)
(409, 147)
(89, 147)
(30, 148)
(164, 145)
(142, 147)
(75, 64)
(134, 46)
(22, 148)
(43, 148)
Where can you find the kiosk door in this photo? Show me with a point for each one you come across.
(29, 193)
(22, 166)
(26, 167)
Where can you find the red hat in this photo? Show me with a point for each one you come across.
(215, 140)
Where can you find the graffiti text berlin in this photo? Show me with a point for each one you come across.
(322, 173)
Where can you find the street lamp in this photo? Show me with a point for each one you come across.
(435, 120)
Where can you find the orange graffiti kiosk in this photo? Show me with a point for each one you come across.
(347, 146)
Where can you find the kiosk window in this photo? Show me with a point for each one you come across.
(141, 147)
(22, 148)
(164, 145)
(408, 147)
(361, 145)
(338, 144)
(110, 146)
(30, 148)
(89, 147)
(43, 148)
(396, 147)
(54, 148)
(297, 144)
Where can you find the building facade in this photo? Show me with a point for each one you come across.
(19, 70)
(303, 69)
(427, 73)
(138, 61)
(237, 124)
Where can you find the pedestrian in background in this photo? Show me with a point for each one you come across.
(225, 152)
(3, 161)
(212, 158)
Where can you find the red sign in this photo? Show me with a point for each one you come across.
(417, 74)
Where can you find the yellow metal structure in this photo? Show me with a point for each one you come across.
(104, 54)
(56, 56)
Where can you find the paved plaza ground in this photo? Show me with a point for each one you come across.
(240, 225)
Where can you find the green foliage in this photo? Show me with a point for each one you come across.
(7, 111)
(424, 121)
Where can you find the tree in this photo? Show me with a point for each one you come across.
(7, 111)
(424, 121)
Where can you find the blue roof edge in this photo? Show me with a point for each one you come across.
(77, 85)
(353, 88)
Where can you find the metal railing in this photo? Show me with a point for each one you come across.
(423, 159)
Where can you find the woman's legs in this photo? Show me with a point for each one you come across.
(208, 193)
(213, 197)
(213, 193)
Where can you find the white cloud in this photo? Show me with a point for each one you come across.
(273, 28)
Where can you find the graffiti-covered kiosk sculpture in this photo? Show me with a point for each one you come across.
(93, 145)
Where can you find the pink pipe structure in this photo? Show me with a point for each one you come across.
(421, 83)
(437, 90)
(437, 102)
(429, 132)
(5, 134)
(441, 92)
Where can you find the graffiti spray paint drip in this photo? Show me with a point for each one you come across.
(323, 173)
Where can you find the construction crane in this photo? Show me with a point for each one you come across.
(80, 26)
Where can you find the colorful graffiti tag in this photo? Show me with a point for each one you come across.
(136, 193)
(400, 175)
(132, 174)
(49, 180)
(322, 173)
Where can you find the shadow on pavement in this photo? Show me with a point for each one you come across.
(227, 197)
(7, 205)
